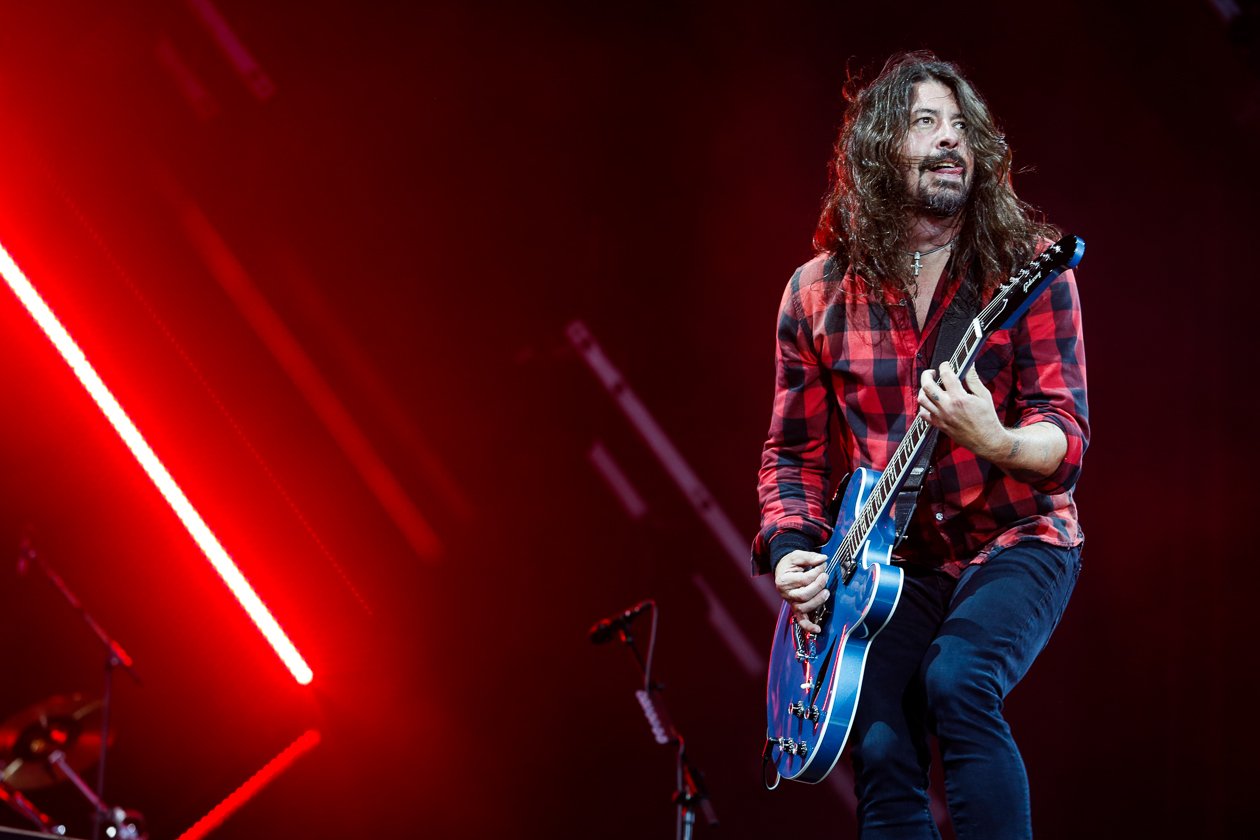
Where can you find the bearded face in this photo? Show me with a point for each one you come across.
(938, 160)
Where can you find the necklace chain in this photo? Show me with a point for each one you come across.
(919, 255)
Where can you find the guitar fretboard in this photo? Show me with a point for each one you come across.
(895, 474)
(907, 452)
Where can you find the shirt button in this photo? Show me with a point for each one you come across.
(940, 517)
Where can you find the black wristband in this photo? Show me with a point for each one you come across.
(785, 542)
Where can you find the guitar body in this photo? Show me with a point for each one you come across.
(815, 680)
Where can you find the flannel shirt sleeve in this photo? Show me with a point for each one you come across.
(1050, 377)
(794, 465)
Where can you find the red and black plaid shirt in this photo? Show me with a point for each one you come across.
(850, 371)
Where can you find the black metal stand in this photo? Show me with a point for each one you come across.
(26, 808)
(690, 794)
(114, 656)
(98, 819)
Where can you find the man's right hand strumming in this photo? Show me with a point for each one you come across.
(801, 578)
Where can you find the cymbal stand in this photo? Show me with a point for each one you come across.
(115, 656)
(127, 825)
(29, 810)
(690, 793)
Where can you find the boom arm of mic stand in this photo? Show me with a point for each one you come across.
(115, 651)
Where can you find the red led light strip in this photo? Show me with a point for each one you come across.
(197, 528)
(247, 791)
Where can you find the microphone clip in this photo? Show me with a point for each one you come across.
(603, 630)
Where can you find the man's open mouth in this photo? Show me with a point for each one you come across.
(944, 165)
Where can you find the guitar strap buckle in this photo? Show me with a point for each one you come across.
(907, 499)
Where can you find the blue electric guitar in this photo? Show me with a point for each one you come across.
(815, 679)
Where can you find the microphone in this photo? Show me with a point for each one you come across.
(603, 630)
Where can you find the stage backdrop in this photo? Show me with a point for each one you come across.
(455, 322)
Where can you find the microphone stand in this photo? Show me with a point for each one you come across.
(115, 657)
(690, 792)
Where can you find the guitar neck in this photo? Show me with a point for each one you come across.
(1008, 305)
(907, 452)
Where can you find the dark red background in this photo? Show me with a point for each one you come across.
(456, 184)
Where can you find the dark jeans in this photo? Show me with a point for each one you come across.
(945, 662)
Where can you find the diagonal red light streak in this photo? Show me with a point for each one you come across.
(157, 472)
(293, 359)
(217, 815)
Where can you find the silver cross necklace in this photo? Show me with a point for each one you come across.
(919, 255)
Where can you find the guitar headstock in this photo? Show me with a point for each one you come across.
(1015, 295)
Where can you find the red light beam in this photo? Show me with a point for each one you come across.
(217, 815)
(197, 528)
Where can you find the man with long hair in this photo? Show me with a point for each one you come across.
(922, 213)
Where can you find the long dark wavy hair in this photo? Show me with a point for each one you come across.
(868, 211)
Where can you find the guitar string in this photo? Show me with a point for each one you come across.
(870, 510)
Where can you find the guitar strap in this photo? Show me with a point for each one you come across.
(961, 312)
